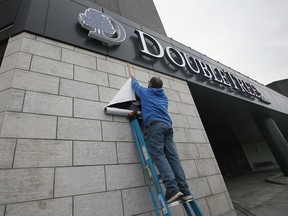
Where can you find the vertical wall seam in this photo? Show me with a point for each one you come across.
(54, 182)
(72, 153)
(14, 153)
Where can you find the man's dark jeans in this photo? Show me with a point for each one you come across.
(159, 140)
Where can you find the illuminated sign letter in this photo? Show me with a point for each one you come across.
(256, 92)
(243, 86)
(205, 69)
(224, 77)
(233, 78)
(248, 86)
(168, 51)
(215, 73)
(144, 49)
(191, 63)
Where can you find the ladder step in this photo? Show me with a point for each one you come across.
(179, 202)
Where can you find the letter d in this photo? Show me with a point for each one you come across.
(144, 48)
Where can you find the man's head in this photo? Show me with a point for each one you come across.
(155, 82)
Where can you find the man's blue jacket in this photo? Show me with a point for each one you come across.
(154, 103)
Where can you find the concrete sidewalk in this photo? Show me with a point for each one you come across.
(252, 195)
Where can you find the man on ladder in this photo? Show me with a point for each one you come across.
(159, 139)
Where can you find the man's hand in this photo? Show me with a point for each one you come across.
(129, 70)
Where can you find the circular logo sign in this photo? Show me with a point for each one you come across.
(102, 27)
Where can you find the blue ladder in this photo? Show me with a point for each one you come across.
(152, 177)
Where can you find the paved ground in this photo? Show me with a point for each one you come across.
(252, 195)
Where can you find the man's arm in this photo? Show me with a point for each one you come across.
(136, 86)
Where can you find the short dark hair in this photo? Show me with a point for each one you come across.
(156, 82)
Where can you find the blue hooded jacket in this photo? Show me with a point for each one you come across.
(154, 103)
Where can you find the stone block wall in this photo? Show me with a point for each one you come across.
(61, 155)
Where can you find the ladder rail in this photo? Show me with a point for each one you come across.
(153, 199)
(186, 207)
(144, 168)
(146, 160)
(147, 157)
(196, 208)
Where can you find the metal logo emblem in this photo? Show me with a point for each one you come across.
(102, 27)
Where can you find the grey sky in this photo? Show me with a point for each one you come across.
(250, 36)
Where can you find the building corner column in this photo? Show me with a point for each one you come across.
(275, 140)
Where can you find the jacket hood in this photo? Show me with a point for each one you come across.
(158, 91)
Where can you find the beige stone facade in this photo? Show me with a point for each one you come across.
(61, 155)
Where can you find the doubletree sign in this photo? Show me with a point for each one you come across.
(107, 30)
(196, 66)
